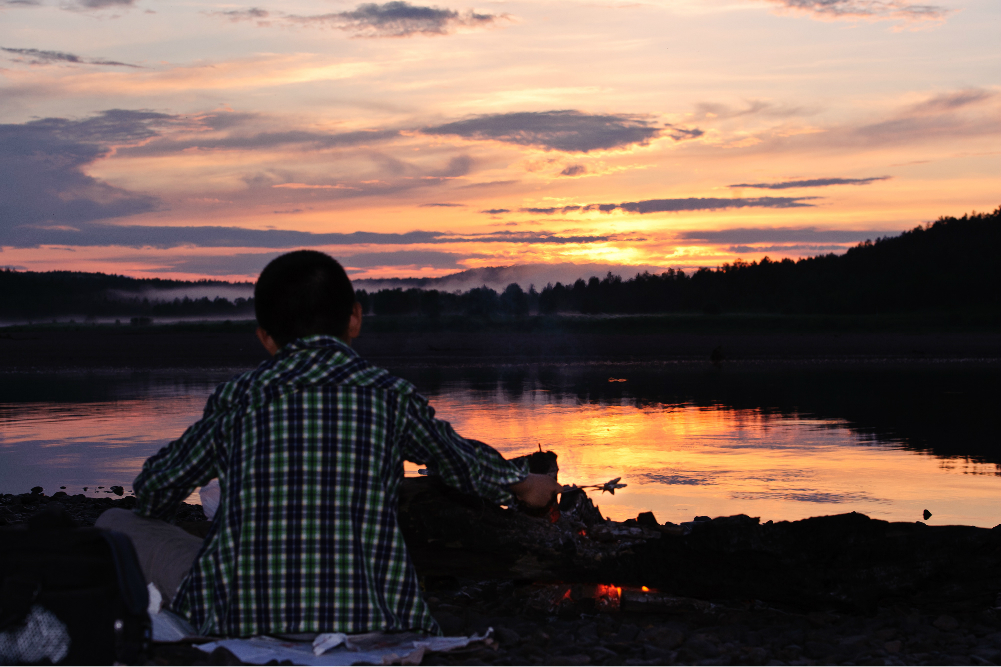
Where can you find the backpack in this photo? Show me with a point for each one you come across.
(70, 595)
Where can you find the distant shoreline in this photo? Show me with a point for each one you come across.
(235, 346)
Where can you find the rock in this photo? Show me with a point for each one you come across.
(926, 515)
(818, 650)
(507, 636)
(946, 623)
(117, 490)
(540, 637)
(664, 637)
(655, 653)
(587, 634)
(647, 519)
(36, 490)
(700, 646)
(627, 633)
(450, 624)
(893, 647)
(791, 652)
(990, 654)
(600, 653)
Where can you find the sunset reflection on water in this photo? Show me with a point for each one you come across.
(679, 459)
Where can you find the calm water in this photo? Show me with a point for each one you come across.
(779, 442)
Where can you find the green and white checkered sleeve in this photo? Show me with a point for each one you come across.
(173, 473)
(466, 465)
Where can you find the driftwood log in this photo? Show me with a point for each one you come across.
(847, 562)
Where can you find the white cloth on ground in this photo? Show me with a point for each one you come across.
(379, 648)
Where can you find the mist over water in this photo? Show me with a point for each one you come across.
(779, 442)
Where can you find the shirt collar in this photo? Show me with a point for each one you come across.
(317, 342)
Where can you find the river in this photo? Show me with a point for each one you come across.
(776, 441)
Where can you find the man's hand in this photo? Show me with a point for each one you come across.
(536, 490)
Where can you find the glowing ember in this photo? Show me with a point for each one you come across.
(607, 598)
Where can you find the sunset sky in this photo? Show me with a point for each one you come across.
(198, 139)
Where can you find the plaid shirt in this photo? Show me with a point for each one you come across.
(309, 452)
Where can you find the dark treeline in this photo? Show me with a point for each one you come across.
(479, 302)
(946, 267)
(950, 265)
(32, 295)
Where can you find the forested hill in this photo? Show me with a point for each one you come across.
(950, 266)
(33, 295)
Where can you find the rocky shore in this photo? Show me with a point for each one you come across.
(538, 620)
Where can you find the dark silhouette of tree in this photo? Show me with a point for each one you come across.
(481, 303)
(514, 301)
(431, 304)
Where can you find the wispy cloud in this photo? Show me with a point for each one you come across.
(251, 263)
(440, 205)
(553, 209)
(866, 9)
(751, 108)
(967, 112)
(804, 248)
(391, 19)
(433, 258)
(237, 140)
(811, 183)
(951, 101)
(102, 4)
(252, 14)
(749, 235)
(71, 4)
(565, 130)
(41, 57)
(139, 236)
(701, 204)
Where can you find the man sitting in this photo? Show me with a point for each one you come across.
(308, 449)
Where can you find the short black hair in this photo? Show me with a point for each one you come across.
(303, 293)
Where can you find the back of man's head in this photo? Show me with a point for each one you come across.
(303, 293)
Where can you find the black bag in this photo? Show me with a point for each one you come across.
(66, 585)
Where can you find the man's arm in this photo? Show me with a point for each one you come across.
(468, 465)
(173, 473)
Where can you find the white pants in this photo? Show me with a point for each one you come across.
(166, 552)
